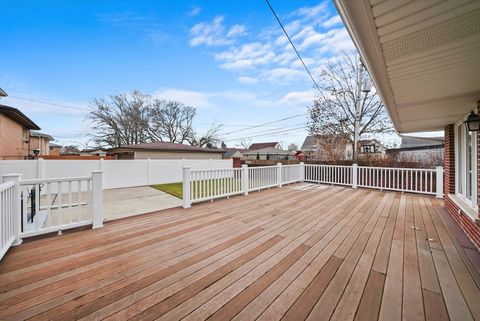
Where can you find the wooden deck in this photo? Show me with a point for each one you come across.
(294, 253)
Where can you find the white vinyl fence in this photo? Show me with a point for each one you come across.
(116, 173)
(202, 185)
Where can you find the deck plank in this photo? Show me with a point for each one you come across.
(294, 253)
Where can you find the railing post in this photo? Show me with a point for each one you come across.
(302, 172)
(97, 199)
(354, 175)
(245, 179)
(439, 178)
(186, 187)
(279, 174)
(17, 217)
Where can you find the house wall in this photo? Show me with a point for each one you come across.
(470, 227)
(12, 145)
(40, 143)
(175, 155)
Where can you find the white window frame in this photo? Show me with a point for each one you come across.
(460, 135)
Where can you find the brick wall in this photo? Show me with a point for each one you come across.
(12, 144)
(470, 227)
(449, 159)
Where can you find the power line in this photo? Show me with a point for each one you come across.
(260, 125)
(49, 103)
(269, 133)
(294, 48)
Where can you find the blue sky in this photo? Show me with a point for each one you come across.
(229, 59)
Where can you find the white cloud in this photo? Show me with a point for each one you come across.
(282, 75)
(268, 56)
(188, 97)
(195, 11)
(236, 30)
(247, 80)
(303, 98)
(246, 56)
(333, 21)
(214, 33)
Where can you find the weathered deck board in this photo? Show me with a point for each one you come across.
(280, 254)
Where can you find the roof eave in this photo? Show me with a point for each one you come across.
(371, 53)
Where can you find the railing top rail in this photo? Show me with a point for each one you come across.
(260, 167)
(292, 165)
(326, 165)
(6, 185)
(401, 168)
(214, 170)
(53, 180)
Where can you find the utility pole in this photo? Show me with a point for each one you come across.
(358, 111)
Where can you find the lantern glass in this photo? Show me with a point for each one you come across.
(472, 122)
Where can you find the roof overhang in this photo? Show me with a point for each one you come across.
(423, 57)
(18, 116)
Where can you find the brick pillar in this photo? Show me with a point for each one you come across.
(449, 176)
(237, 162)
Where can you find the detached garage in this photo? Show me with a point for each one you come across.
(163, 150)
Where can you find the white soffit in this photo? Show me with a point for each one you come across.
(424, 56)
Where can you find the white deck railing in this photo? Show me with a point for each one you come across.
(39, 206)
(8, 223)
(329, 174)
(202, 185)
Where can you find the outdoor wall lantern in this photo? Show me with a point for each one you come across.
(472, 122)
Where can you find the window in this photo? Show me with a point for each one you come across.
(368, 149)
(465, 165)
(24, 133)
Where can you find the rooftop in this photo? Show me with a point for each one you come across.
(18, 116)
(165, 146)
(301, 252)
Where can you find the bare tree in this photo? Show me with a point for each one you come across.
(334, 109)
(209, 139)
(245, 143)
(121, 120)
(171, 121)
(136, 118)
(331, 147)
(292, 147)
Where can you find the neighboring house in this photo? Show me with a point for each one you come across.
(39, 143)
(233, 153)
(256, 146)
(424, 150)
(322, 147)
(404, 49)
(371, 147)
(54, 149)
(164, 150)
(14, 133)
(270, 153)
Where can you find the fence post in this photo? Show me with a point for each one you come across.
(245, 179)
(186, 187)
(439, 178)
(17, 217)
(302, 172)
(97, 199)
(40, 168)
(279, 174)
(148, 169)
(354, 175)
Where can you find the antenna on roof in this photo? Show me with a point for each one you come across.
(3, 93)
